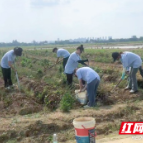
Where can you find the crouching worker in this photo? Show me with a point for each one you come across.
(92, 82)
(7, 62)
(132, 61)
(62, 53)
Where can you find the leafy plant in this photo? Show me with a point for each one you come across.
(60, 69)
(23, 63)
(67, 102)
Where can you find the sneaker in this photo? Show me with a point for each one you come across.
(86, 106)
(127, 88)
(133, 91)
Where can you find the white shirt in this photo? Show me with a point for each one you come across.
(72, 63)
(130, 59)
(8, 57)
(62, 53)
(87, 74)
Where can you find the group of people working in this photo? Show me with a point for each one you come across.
(131, 63)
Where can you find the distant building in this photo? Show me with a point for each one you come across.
(134, 37)
(109, 37)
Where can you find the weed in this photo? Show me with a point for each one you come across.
(60, 69)
(64, 80)
(49, 138)
(67, 102)
(12, 141)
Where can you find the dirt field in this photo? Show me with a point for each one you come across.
(33, 114)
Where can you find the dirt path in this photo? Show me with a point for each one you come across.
(122, 139)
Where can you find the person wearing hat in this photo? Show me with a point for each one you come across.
(72, 63)
(7, 62)
(92, 79)
(132, 61)
(62, 53)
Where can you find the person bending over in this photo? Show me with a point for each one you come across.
(130, 61)
(92, 80)
(7, 62)
(62, 53)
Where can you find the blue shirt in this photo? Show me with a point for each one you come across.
(87, 74)
(62, 53)
(72, 63)
(130, 59)
(8, 57)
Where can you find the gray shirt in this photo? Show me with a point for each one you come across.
(62, 53)
(72, 63)
(8, 57)
(87, 74)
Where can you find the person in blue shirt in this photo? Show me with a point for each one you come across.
(72, 63)
(7, 62)
(130, 61)
(62, 53)
(92, 80)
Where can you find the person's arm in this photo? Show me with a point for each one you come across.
(85, 87)
(11, 65)
(125, 67)
(82, 62)
(80, 85)
(57, 60)
(123, 73)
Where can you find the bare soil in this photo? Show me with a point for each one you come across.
(24, 118)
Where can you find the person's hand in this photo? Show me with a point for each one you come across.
(83, 90)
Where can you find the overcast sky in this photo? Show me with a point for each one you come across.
(28, 20)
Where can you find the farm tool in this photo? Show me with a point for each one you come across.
(117, 85)
(18, 81)
(54, 65)
(51, 68)
(16, 74)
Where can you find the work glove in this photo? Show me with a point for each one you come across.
(123, 76)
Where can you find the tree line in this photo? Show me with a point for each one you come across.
(98, 40)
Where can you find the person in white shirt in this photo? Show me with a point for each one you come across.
(132, 61)
(62, 53)
(7, 62)
(72, 63)
(92, 79)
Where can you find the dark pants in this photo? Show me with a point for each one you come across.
(65, 62)
(69, 79)
(91, 92)
(141, 71)
(132, 79)
(7, 76)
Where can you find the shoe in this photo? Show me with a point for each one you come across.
(133, 91)
(86, 106)
(127, 88)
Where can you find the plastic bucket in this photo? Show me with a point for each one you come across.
(81, 97)
(84, 129)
